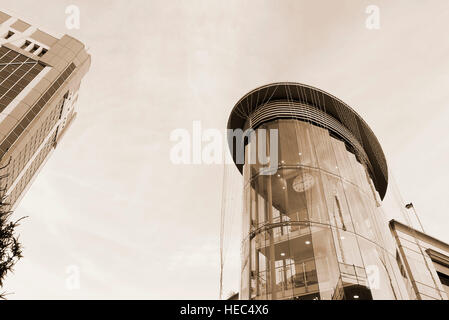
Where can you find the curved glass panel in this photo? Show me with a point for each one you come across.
(311, 228)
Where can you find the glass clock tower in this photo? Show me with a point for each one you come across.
(312, 227)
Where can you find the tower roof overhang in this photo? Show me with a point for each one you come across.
(296, 92)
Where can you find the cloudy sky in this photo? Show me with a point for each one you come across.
(110, 205)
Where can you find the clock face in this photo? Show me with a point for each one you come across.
(303, 182)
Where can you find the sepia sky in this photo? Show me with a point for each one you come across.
(110, 204)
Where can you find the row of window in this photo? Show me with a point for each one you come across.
(14, 135)
(19, 162)
(30, 172)
(33, 48)
(28, 45)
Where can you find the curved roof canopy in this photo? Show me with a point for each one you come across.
(290, 91)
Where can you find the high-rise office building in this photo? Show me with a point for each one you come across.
(39, 80)
(313, 222)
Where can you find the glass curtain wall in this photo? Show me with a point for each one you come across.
(313, 230)
(425, 277)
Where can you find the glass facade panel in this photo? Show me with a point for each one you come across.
(326, 260)
(310, 227)
(16, 72)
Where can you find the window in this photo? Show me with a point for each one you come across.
(9, 35)
(34, 48)
(444, 278)
(44, 51)
(25, 45)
